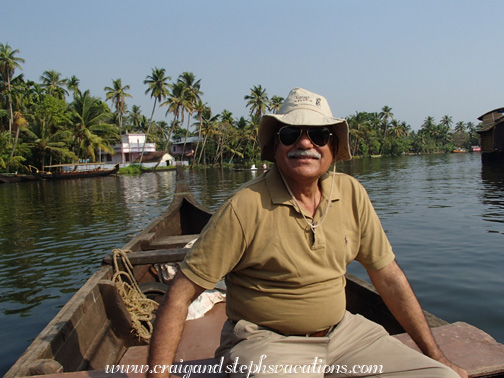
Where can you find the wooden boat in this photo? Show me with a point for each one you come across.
(459, 150)
(16, 177)
(73, 171)
(94, 329)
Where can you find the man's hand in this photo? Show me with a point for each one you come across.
(170, 321)
(458, 369)
(399, 297)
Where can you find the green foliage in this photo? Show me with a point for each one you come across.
(6, 160)
(132, 169)
(51, 112)
(381, 134)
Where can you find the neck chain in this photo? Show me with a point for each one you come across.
(312, 225)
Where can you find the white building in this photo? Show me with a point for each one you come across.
(131, 145)
(178, 145)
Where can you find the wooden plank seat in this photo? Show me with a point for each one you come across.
(158, 256)
(177, 241)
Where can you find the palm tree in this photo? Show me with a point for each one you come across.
(5, 145)
(191, 93)
(35, 93)
(429, 133)
(92, 130)
(398, 129)
(208, 128)
(460, 127)
(232, 141)
(54, 85)
(257, 100)
(358, 127)
(445, 129)
(8, 64)
(135, 117)
(224, 137)
(275, 104)
(18, 97)
(73, 85)
(474, 138)
(117, 94)
(19, 124)
(199, 108)
(49, 129)
(176, 103)
(386, 113)
(384, 116)
(158, 87)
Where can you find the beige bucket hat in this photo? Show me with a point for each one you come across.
(303, 108)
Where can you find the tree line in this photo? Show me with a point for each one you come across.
(55, 121)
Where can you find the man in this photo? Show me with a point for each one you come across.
(283, 242)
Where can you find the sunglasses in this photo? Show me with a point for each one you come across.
(319, 136)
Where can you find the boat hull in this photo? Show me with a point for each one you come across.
(74, 174)
(5, 179)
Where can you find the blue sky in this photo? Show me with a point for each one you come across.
(421, 58)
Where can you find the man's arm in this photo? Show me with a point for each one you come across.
(169, 323)
(398, 295)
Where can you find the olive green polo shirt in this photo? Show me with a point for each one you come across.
(279, 274)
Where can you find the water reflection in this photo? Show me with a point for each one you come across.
(492, 194)
(212, 186)
(53, 234)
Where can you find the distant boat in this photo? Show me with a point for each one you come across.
(73, 171)
(459, 150)
(475, 148)
(15, 177)
(264, 167)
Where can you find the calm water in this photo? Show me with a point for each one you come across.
(444, 215)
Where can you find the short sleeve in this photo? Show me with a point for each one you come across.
(217, 250)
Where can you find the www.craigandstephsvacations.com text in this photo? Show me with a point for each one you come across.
(185, 370)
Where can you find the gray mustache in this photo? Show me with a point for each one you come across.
(304, 153)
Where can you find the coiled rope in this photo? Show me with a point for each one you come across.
(138, 305)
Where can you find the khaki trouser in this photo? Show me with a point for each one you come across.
(357, 347)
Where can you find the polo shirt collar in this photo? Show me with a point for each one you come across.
(280, 195)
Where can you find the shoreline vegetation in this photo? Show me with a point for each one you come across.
(54, 121)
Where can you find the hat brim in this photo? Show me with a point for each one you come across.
(270, 123)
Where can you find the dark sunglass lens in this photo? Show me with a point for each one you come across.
(319, 136)
(289, 135)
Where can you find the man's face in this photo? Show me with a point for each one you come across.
(304, 161)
